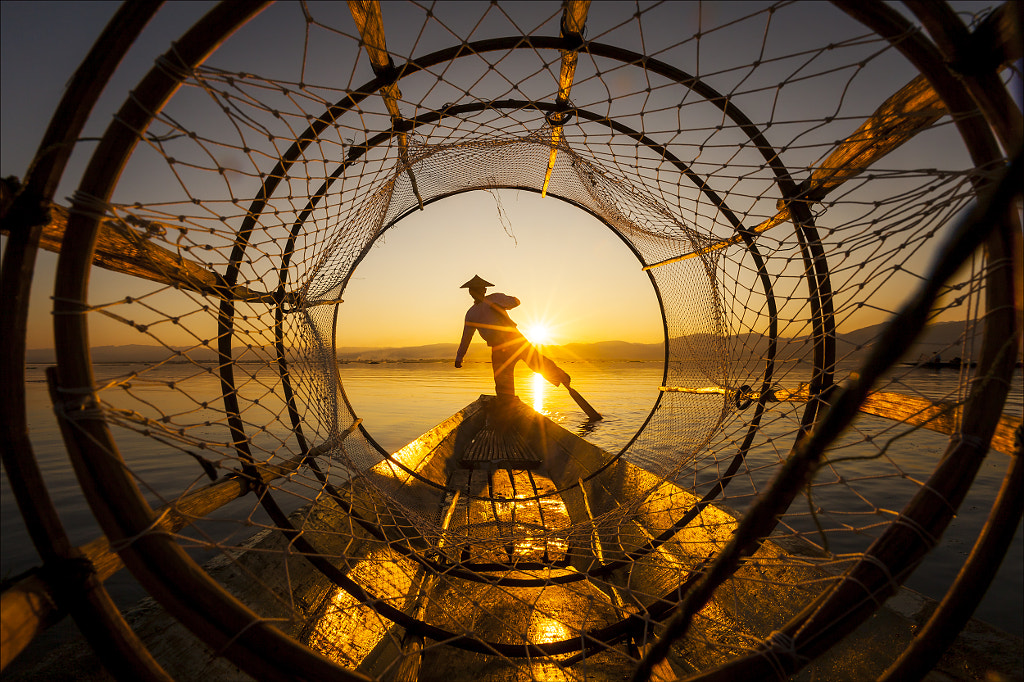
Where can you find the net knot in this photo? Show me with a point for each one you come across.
(781, 647)
(561, 114)
(77, 404)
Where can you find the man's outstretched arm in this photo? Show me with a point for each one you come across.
(467, 336)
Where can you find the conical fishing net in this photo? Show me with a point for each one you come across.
(784, 173)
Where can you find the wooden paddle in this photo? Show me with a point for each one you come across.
(584, 405)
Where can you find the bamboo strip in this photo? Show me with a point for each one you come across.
(915, 107)
(74, 592)
(940, 417)
(370, 24)
(574, 18)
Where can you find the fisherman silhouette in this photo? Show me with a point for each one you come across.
(488, 315)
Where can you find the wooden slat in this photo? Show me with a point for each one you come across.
(506, 448)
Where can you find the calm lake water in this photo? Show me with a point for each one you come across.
(398, 402)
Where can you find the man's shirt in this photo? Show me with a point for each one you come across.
(488, 318)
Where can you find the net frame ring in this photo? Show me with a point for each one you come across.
(65, 367)
(155, 559)
(160, 549)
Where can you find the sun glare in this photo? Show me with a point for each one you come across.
(538, 334)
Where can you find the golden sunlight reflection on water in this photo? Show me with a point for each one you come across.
(539, 385)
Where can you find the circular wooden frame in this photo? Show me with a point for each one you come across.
(187, 592)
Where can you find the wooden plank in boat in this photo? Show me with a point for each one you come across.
(499, 448)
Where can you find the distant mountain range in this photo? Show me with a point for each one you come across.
(942, 338)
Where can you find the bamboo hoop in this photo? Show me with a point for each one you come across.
(67, 589)
(156, 560)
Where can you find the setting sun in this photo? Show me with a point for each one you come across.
(538, 334)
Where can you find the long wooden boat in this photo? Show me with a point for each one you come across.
(542, 568)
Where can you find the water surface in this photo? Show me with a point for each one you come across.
(400, 401)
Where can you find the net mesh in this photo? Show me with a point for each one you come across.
(281, 174)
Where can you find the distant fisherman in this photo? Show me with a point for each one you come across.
(508, 346)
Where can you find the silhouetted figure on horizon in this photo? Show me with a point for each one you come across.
(488, 316)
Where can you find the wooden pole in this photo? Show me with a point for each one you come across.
(370, 24)
(123, 249)
(574, 18)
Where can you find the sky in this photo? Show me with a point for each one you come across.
(572, 274)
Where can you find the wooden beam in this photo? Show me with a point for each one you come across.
(122, 248)
(574, 19)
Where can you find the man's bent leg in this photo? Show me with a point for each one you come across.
(545, 367)
(503, 363)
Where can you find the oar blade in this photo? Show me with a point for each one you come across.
(584, 405)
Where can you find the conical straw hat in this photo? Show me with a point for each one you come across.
(476, 283)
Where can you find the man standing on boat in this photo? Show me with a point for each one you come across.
(488, 316)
